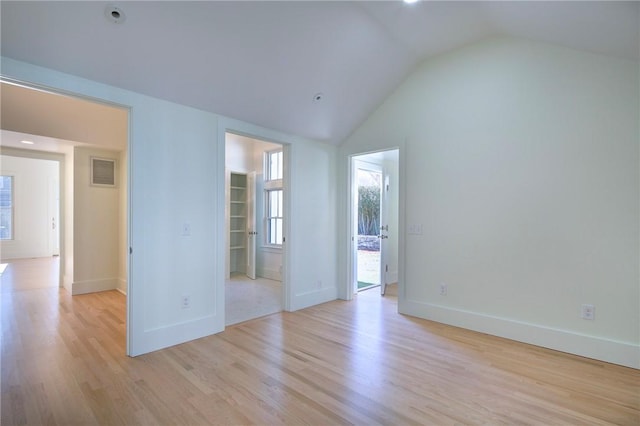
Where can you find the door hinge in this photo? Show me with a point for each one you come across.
(386, 268)
(130, 250)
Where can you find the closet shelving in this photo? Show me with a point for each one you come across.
(237, 222)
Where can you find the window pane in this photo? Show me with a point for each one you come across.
(275, 231)
(279, 167)
(275, 203)
(274, 165)
(6, 207)
(274, 211)
(278, 232)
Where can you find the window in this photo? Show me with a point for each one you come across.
(273, 165)
(274, 216)
(6, 207)
(273, 175)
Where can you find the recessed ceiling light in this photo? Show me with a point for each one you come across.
(318, 97)
(114, 14)
(27, 142)
(411, 1)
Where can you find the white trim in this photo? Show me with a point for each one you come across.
(122, 286)
(93, 286)
(315, 297)
(612, 351)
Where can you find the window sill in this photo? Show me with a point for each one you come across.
(271, 249)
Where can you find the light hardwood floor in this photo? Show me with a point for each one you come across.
(338, 363)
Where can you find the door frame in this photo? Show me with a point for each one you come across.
(351, 256)
(61, 222)
(238, 128)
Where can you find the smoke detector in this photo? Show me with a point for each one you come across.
(114, 14)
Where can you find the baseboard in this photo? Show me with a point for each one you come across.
(94, 286)
(175, 334)
(122, 286)
(269, 274)
(621, 353)
(315, 297)
(67, 283)
(392, 277)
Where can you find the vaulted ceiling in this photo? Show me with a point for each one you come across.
(263, 62)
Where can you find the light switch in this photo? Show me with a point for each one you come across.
(415, 229)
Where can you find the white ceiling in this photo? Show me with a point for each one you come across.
(59, 117)
(40, 143)
(263, 61)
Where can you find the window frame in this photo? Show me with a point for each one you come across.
(268, 219)
(272, 184)
(12, 208)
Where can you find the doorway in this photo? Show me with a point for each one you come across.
(370, 223)
(29, 215)
(254, 214)
(374, 220)
(38, 122)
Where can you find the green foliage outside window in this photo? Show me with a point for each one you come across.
(368, 210)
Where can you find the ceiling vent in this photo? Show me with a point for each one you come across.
(114, 14)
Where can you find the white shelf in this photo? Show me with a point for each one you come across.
(237, 215)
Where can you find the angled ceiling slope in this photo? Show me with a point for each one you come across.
(262, 62)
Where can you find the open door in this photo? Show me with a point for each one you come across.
(384, 232)
(54, 216)
(252, 234)
(374, 201)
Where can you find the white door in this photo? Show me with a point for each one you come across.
(252, 234)
(54, 217)
(384, 232)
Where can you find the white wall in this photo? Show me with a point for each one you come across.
(176, 156)
(521, 164)
(31, 221)
(97, 228)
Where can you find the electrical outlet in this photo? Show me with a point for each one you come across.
(186, 301)
(588, 312)
(443, 289)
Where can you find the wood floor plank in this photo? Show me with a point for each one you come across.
(340, 363)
